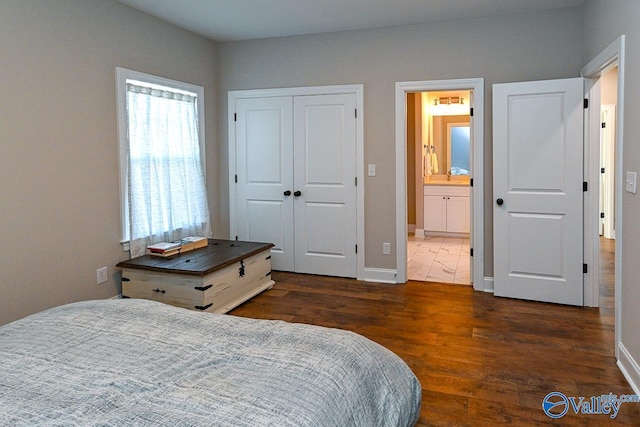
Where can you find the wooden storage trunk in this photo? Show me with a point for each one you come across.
(214, 279)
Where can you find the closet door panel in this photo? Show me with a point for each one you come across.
(324, 174)
(264, 165)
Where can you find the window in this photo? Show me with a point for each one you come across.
(162, 179)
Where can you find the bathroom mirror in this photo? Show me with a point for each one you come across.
(448, 148)
(458, 144)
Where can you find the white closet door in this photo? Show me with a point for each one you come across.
(324, 174)
(264, 159)
(537, 187)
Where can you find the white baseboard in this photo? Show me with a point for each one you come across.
(486, 285)
(629, 367)
(382, 275)
(412, 228)
(446, 234)
(419, 232)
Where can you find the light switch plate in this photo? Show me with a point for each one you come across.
(372, 170)
(630, 182)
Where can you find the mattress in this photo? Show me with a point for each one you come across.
(129, 362)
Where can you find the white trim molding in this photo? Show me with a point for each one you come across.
(476, 85)
(629, 367)
(380, 275)
(358, 90)
(613, 55)
(487, 285)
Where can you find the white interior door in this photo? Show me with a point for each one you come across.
(264, 167)
(299, 196)
(325, 187)
(607, 167)
(538, 190)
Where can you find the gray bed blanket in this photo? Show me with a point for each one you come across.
(141, 363)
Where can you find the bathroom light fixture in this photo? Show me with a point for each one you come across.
(448, 106)
(448, 100)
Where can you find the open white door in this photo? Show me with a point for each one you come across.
(607, 168)
(538, 190)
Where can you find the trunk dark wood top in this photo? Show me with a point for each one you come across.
(200, 262)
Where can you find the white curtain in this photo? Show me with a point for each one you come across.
(167, 193)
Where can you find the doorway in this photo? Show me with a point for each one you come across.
(438, 179)
(595, 71)
(476, 209)
(607, 190)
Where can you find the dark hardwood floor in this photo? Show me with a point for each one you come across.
(481, 360)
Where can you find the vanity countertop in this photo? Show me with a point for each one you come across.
(447, 183)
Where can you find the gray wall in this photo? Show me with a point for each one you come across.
(605, 21)
(532, 46)
(59, 179)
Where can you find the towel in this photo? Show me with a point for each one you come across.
(434, 162)
(427, 164)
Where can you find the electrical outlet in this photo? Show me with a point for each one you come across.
(101, 275)
(386, 248)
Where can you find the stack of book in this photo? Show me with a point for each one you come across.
(191, 243)
(167, 249)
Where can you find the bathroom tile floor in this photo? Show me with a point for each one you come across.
(438, 259)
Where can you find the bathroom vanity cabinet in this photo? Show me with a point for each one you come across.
(446, 209)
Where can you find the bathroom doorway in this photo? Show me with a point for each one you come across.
(475, 86)
(439, 152)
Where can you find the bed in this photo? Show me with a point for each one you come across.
(125, 362)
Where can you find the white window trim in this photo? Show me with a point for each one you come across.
(122, 76)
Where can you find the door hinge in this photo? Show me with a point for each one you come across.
(236, 179)
(356, 181)
(471, 111)
(356, 113)
(236, 237)
(235, 117)
(602, 215)
(601, 170)
(584, 268)
(471, 182)
(585, 186)
(356, 248)
(585, 103)
(604, 125)
(471, 251)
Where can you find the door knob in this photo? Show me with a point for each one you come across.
(287, 193)
(499, 202)
(297, 194)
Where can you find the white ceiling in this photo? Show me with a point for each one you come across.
(227, 20)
